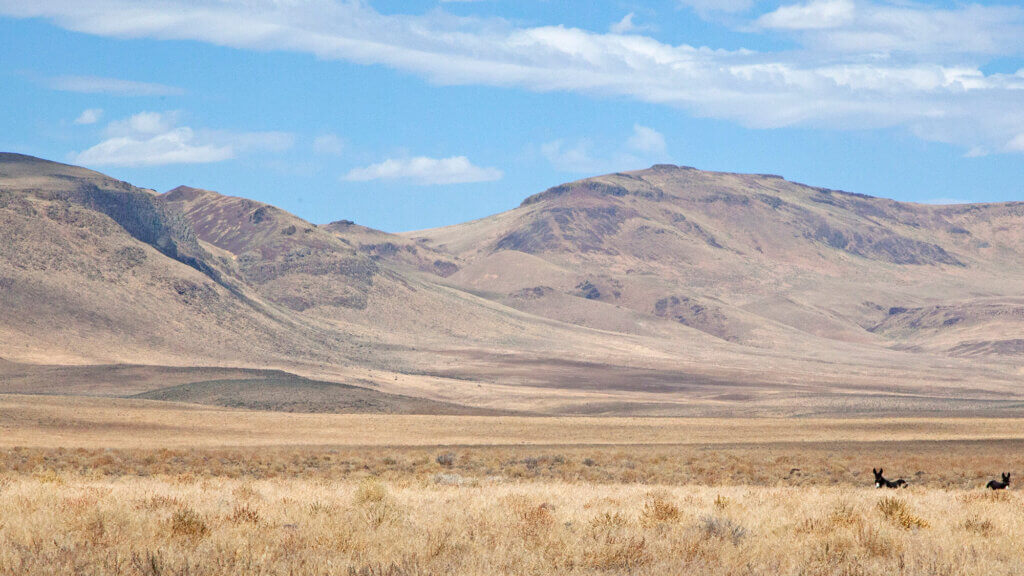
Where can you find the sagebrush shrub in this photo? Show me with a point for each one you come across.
(896, 511)
(658, 510)
(187, 523)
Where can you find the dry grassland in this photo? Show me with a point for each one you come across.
(52, 525)
(61, 421)
(352, 495)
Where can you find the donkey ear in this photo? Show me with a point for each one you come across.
(873, 471)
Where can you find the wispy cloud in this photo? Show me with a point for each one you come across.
(815, 15)
(647, 140)
(114, 86)
(571, 157)
(645, 146)
(155, 139)
(89, 116)
(865, 65)
(861, 27)
(626, 25)
(425, 171)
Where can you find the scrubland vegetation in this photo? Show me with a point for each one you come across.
(68, 524)
(743, 497)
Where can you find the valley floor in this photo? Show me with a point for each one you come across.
(192, 525)
(106, 486)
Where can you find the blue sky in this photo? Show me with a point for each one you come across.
(411, 114)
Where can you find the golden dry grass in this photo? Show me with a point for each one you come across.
(361, 495)
(71, 525)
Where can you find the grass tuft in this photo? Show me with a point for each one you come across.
(897, 512)
(658, 510)
(187, 523)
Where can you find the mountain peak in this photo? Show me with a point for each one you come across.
(185, 194)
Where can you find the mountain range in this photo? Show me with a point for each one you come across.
(665, 291)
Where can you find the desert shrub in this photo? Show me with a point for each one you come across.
(245, 514)
(375, 504)
(877, 544)
(533, 521)
(608, 521)
(722, 528)
(721, 502)
(150, 564)
(48, 476)
(619, 555)
(843, 515)
(94, 527)
(318, 507)
(370, 490)
(157, 502)
(840, 516)
(187, 523)
(977, 525)
(446, 459)
(443, 543)
(658, 510)
(897, 512)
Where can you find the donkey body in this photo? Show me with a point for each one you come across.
(997, 485)
(881, 482)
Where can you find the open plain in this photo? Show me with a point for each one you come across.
(111, 486)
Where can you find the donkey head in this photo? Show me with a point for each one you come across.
(1006, 478)
(879, 481)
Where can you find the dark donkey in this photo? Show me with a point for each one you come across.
(996, 485)
(881, 482)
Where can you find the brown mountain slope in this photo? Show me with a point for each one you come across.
(663, 291)
(733, 254)
(288, 260)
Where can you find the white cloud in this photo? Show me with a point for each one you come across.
(864, 65)
(646, 140)
(1016, 144)
(624, 26)
(114, 86)
(143, 123)
(645, 146)
(814, 15)
(177, 146)
(155, 139)
(881, 28)
(89, 116)
(328, 145)
(570, 158)
(425, 171)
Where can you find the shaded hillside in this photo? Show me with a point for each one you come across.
(93, 268)
(272, 390)
(283, 392)
(397, 250)
(288, 260)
